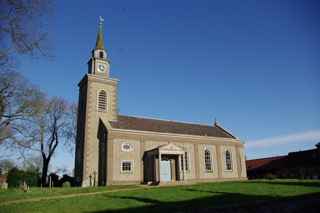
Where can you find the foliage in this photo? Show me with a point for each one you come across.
(16, 177)
(270, 176)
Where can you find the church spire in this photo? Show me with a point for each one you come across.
(100, 39)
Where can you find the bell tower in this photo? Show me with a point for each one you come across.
(96, 107)
(99, 63)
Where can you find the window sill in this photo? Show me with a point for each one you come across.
(126, 173)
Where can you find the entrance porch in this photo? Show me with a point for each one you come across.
(164, 164)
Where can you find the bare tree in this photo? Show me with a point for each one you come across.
(51, 129)
(22, 32)
(30, 122)
(19, 101)
(33, 163)
(22, 29)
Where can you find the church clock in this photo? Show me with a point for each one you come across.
(101, 68)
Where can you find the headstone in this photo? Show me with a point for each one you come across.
(25, 187)
(4, 185)
(86, 183)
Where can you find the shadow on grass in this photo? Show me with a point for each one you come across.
(288, 183)
(225, 202)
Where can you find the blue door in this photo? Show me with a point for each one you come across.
(165, 170)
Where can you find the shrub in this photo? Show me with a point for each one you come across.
(270, 176)
(17, 176)
(66, 184)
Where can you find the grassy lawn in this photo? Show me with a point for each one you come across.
(36, 192)
(206, 197)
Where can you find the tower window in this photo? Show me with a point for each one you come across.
(207, 160)
(101, 55)
(102, 101)
(228, 160)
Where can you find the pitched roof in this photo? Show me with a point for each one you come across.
(164, 126)
(262, 162)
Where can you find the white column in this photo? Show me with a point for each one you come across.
(179, 165)
(159, 159)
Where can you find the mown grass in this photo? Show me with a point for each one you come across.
(194, 198)
(35, 192)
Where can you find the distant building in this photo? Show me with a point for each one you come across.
(301, 164)
(118, 149)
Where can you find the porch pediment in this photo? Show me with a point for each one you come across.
(170, 149)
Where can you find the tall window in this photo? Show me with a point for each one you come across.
(228, 160)
(102, 101)
(186, 160)
(208, 160)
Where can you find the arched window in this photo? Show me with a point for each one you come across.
(228, 160)
(102, 101)
(207, 160)
(101, 54)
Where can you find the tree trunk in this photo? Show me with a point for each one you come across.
(44, 172)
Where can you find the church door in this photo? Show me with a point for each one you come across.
(165, 170)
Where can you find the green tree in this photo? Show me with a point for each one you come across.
(17, 176)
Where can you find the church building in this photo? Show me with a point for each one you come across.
(119, 149)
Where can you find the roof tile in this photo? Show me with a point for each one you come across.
(164, 126)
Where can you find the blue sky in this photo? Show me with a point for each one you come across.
(253, 65)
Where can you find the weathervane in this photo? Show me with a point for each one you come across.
(101, 20)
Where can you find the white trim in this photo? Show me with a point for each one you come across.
(132, 167)
(104, 79)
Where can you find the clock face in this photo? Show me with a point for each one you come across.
(101, 67)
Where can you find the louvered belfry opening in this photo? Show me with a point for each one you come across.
(102, 101)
